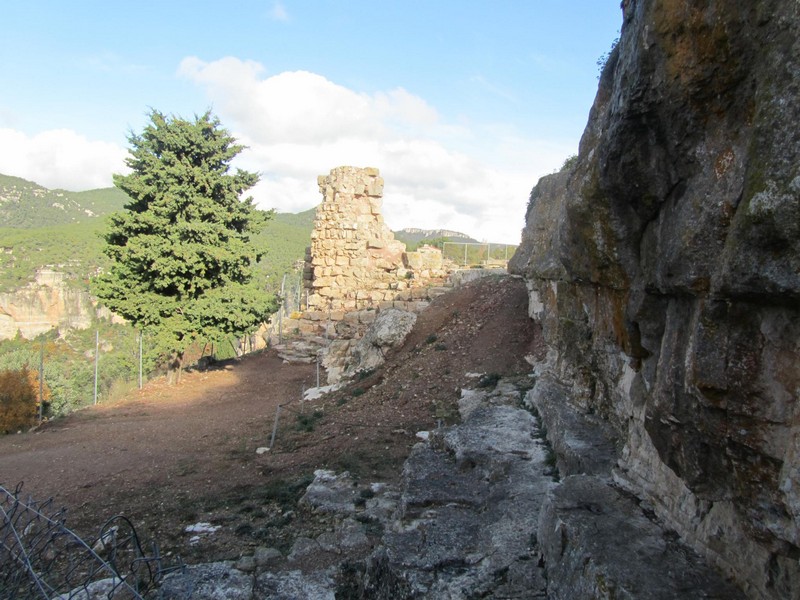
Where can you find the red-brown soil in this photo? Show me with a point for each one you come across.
(170, 456)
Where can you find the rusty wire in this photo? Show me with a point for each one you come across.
(40, 557)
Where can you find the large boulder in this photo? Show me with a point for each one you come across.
(389, 330)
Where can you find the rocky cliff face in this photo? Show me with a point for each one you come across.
(45, 304)
(665, 269)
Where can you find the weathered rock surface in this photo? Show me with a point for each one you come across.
(389, 330)
(212, 581)
(665, 270)
(45, 304)
(582, 444)
(223, 581)
(331, 493)
(477, 515)
(466, 525)
(597, 542)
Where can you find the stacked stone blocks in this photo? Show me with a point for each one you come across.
(354, 263)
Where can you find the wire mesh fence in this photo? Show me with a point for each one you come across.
(40, 557)
(473, 254)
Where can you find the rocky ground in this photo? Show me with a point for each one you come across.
(171, 457)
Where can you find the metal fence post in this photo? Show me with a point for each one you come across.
(275, 426)
(141, 334)
(96, 360)
(41, 382)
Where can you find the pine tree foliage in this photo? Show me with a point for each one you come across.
(182, 254)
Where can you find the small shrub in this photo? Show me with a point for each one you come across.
(603, 59)
(18, 399)
(550, 462)
(358, 392)
(285, 492)
(364, 374)
(440, 347)
(431, 338)
(308, 422)
(570, 163)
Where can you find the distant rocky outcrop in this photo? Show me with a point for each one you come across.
(664, 268)
(48, 303)
(414, 235)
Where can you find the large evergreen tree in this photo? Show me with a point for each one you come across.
(181, 251)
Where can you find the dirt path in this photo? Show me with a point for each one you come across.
(167, 457)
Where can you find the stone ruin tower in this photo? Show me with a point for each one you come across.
(354, 262)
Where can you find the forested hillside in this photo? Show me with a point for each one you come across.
(64, 230)
(285, 239)
(25, 204)
(51, 227)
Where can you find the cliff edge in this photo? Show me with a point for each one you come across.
(664, 268)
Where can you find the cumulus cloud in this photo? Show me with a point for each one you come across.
(60, 158)
(469, 177)
(298, 125)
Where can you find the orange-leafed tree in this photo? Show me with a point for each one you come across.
(19, 399)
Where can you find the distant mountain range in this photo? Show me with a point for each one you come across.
(411, 236)
(43, 227)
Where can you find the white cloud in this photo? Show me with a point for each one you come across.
(278, 12)
(298, 125)
(60, 158)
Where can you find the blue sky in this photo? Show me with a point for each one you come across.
(462, 105)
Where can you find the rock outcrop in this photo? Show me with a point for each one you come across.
(665, 270)
(389, 330)
(47, 303)
(477, 514)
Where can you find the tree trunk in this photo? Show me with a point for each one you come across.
(175, 368)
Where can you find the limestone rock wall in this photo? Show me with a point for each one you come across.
(45, 304)
(665, 270)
